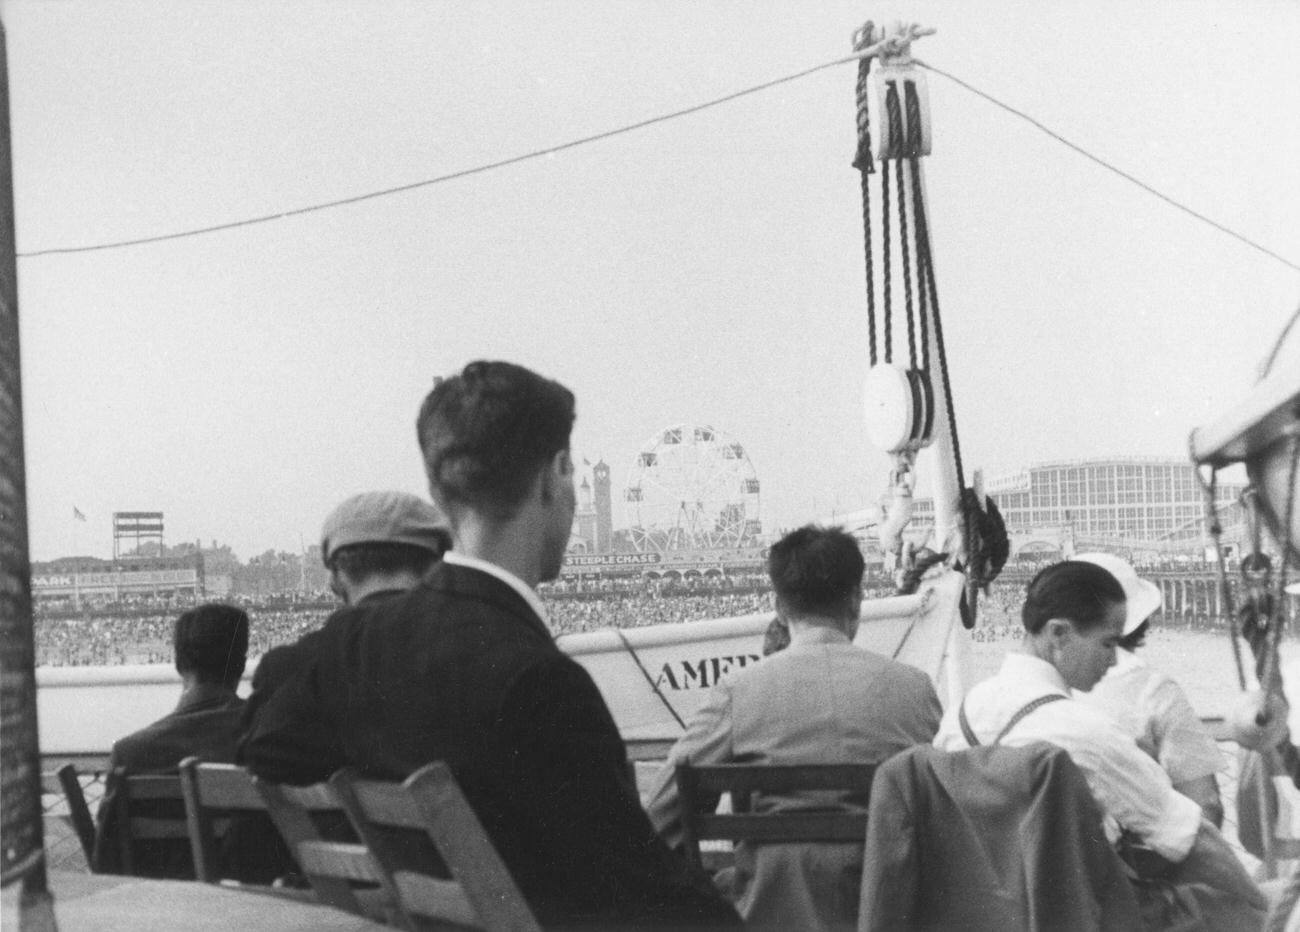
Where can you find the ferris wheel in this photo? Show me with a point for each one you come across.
(692, 487)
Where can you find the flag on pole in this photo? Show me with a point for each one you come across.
(77, 515)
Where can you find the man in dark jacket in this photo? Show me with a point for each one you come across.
(211, 647)
(463, 669)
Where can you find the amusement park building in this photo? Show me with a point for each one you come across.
(1133, 499)
(1129, 503)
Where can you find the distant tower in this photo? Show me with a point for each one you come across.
(604, 514)
(584, 518)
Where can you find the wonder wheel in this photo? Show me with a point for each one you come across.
(692, 487)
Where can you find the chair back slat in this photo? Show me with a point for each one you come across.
(429, 896)
(143, 813)
(146, 787)
(480, 892)
(340, 859)
(228, 787)
(329, 866)
(211, 792)
(63, 782)
(826, 820)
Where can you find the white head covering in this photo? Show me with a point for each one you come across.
(1143, 597)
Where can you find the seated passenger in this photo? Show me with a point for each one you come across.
(375, 545)
(1074, 615)
(821, 700)
(1149, 706)
(211, 643)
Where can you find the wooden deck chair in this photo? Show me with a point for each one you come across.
(696, 785)
(461, 879)
(217, 798)
(150, 808)
(331, 867)
(63, 782)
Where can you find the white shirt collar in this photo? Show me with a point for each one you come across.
(526, 593)
(1025, 668)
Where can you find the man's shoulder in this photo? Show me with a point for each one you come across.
(161, 744)
(888, 666)
(280, 663)
(457, 609)
(873, 665)
(446, 585)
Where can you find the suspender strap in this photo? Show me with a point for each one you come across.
(966, 730)
(1015, 719)
(969, 733)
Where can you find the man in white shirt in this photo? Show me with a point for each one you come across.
(1074, 614)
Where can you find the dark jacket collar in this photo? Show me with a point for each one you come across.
(378, 595)
(204, 696)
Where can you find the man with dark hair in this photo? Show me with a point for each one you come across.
(211, 644)
(1074, 614)
(820, 700)
(375, 545)
(463, 669)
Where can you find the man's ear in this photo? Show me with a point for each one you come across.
(1058, 629)
(557, 473)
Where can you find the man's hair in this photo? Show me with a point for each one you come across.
(1135, 638)
(1075, 590)
(487, 432)
(815, 569)
(212, 643)
(358, 562)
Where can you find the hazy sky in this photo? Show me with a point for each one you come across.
(707, 270)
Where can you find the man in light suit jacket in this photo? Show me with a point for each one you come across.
(463, 669)
(821, 700)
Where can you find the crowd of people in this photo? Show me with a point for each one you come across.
(111, 632)
(95, 639)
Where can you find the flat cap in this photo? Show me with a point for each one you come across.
(384, 518)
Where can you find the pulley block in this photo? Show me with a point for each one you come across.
(898, 106)
(899, 408)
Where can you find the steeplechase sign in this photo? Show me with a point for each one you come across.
(612, 560)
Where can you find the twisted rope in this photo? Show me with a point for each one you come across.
(895, 117)
(862, 162)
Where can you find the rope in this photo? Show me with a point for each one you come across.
(1109, 167)
(892, 44)
(1277, 346)
(895, 117)
(1268, 678)
(913, 105)
(1225, 592)
(884, 229)
(925, 260)
(649, 679)
(862, 162)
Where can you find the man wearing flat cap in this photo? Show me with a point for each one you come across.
(375, 545)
